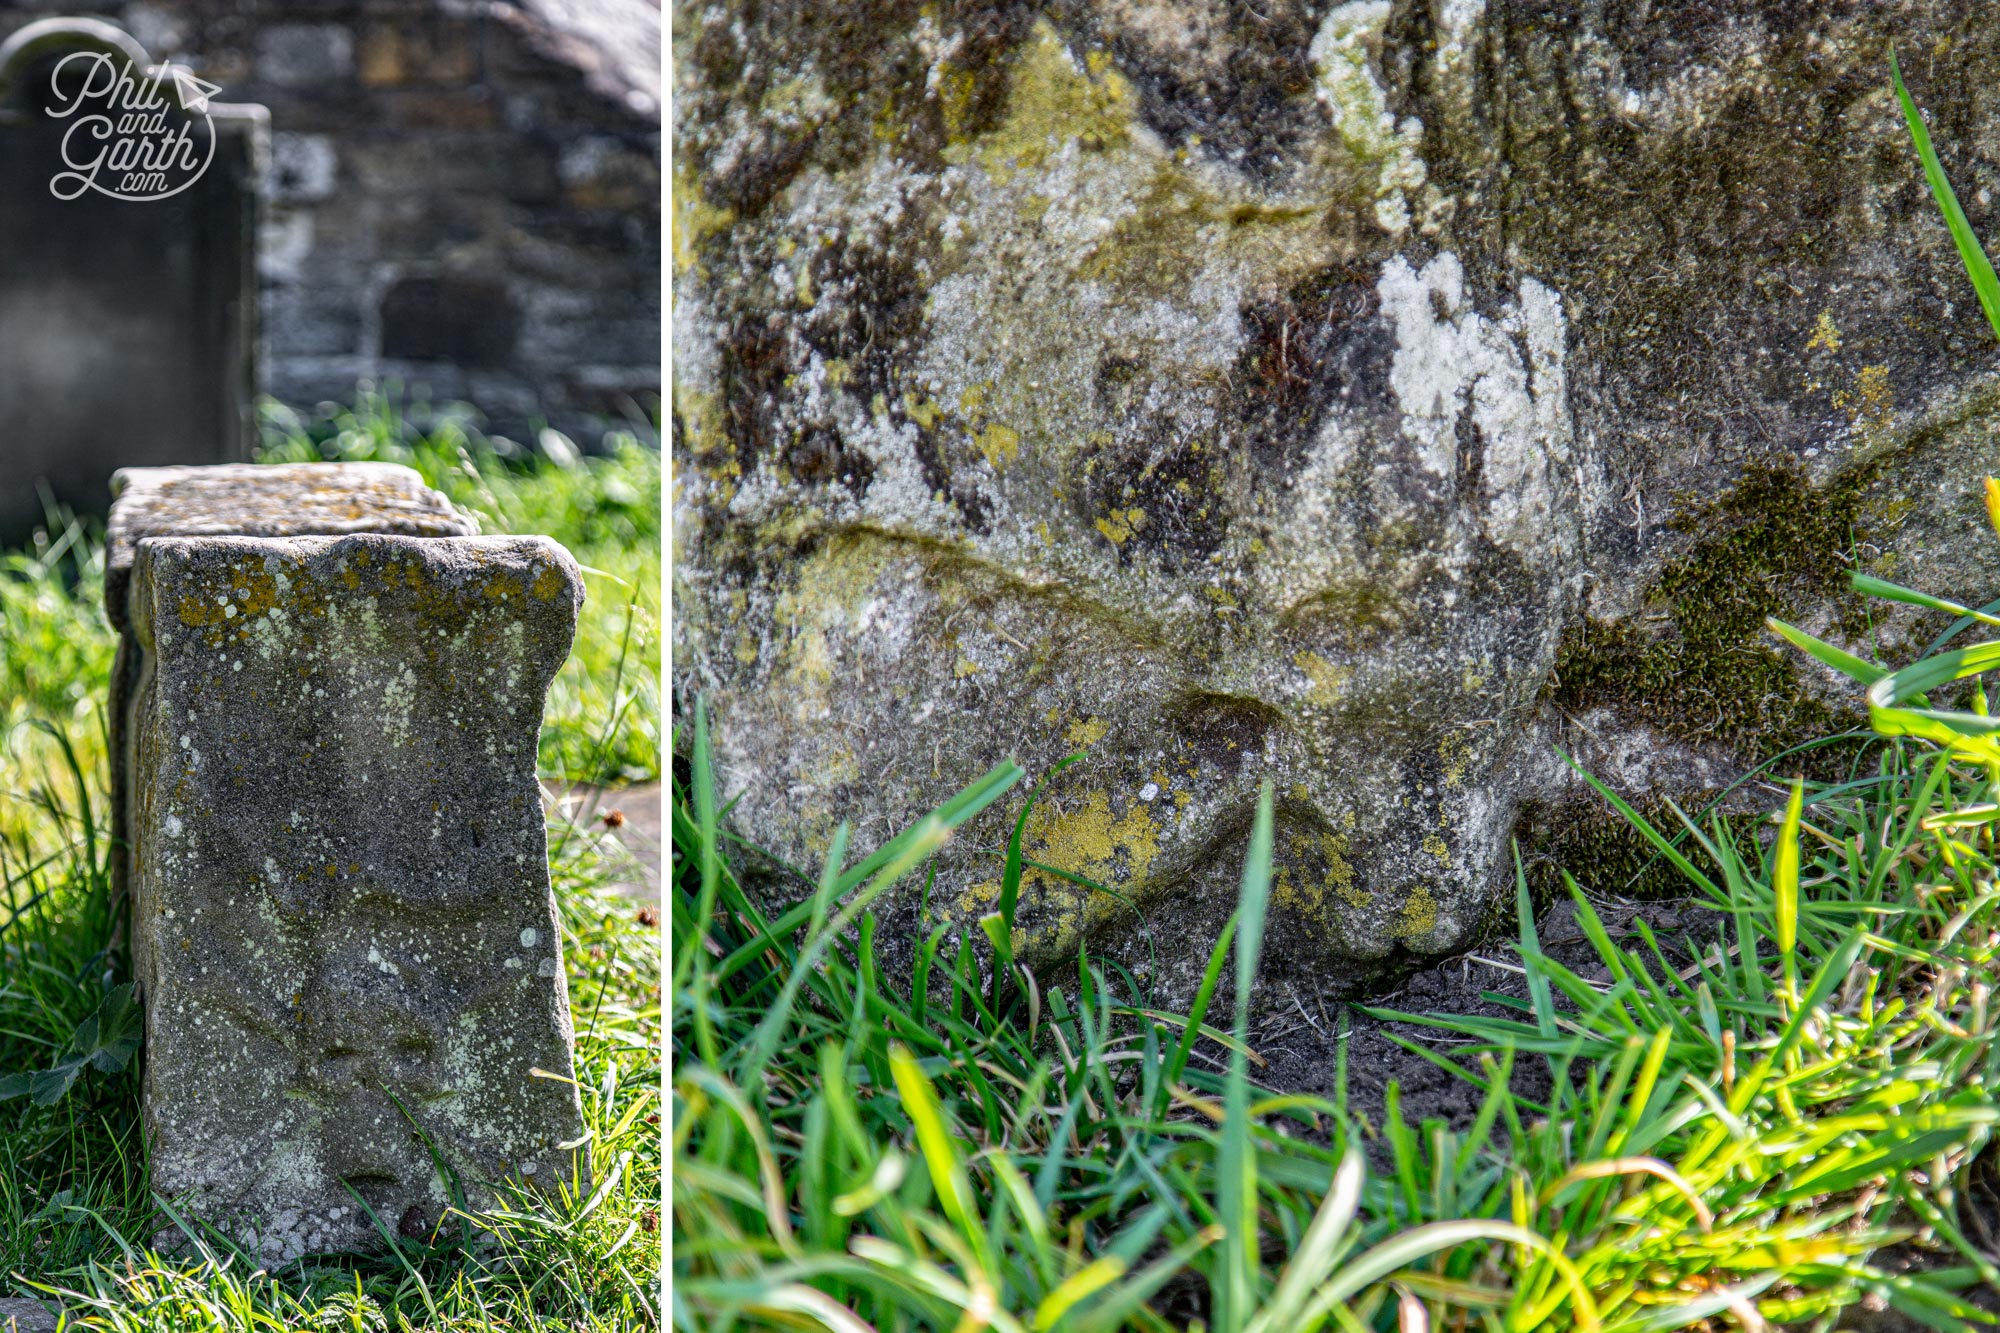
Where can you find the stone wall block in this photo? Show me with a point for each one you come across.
(343, 926)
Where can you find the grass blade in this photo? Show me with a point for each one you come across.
(1237, 1166)
(1977, 266)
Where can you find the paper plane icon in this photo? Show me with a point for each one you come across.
(194, 93)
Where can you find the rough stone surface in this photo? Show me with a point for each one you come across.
(25, 1316)
(343, 925)
(1361, 397)
(293, 500)
(250, 500)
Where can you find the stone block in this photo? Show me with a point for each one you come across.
(241, 499)
(343, 927)
(25, 1316)
(249, 500)
(303, 55)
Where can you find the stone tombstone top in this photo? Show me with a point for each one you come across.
(342, 921)
(128, 324)
(257, 500)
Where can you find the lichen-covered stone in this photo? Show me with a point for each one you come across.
(342, 923)
(280, 500)
(247, 500)
(1360, 397)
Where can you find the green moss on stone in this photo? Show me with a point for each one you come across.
(1696, 664)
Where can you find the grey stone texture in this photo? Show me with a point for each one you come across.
(18, 1315)
(1367, 398)
(343, 925)
(246, 500)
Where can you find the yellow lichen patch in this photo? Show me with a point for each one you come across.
(1313, 898)
(1825, 336)
(1085, 839)
(1870, 403)
(1119, 525)
(1001, 445)
(1053, 99)
(1086, 733)
(979, 899)
(840, 764)
(1435, 846)
(246, 591)
(955, 91)
(964, 667)
(695, 219)
(922, 410)
(1325, 677)
(547, 584)
(1455, 753)
(1873, 401)
(1419, 915)
(1475, 676)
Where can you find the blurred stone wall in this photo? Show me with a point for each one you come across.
(462, 196)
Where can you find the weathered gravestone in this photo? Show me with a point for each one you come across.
(128, 324)
(343, 925)
(297, 500)
(1359, 397)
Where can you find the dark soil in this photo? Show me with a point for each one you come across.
(1303, 1051)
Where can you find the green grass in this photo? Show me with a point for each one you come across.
(74, 1200)
(1781, 1113)
(1742, 1120)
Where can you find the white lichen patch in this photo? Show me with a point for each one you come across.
(1504, 376)
(1348, 40)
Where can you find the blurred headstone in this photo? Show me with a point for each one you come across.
(128, 299)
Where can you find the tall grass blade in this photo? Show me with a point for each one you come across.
(1237, 1165)
(1976, 265)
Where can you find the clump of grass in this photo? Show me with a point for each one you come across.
(1740, 1119)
